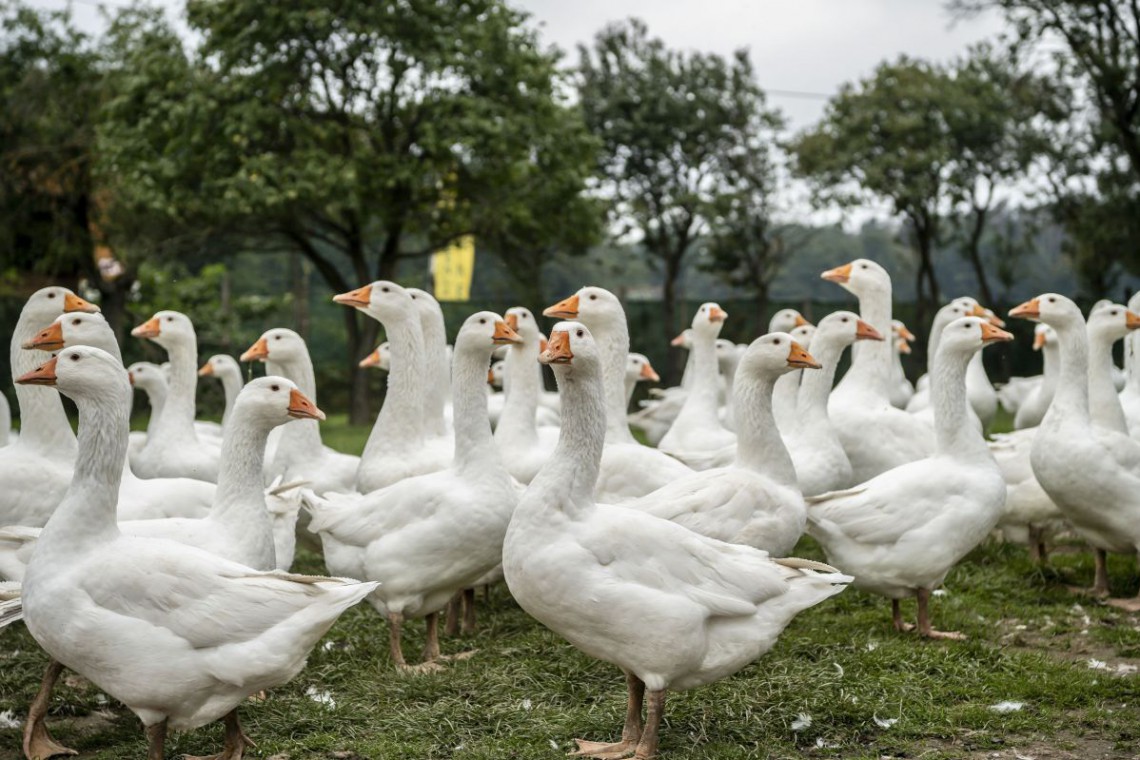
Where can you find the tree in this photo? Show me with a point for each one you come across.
(51, 207)
(675, 129)
(357, 134)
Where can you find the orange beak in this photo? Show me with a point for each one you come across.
(564, 309)
(490, 377)
(1031, 309)
(358, 299)
(148, 329)
(905, 334)
(1131, 320)
(978, 311)
(302, 408)
(504, 334)
(131, 378)
(542, 342)
(206, 370)
(72, 302)
(903, 346)
(259, 350)
(647, 373)
(864, 331)
(557, 349)
(838, 275)
(678, 341)
(991, 334)
(1038, 341)
(799, 358)
(800, 321)
(512, 321)
(717, 314)
(41, 375)
(372, 360)
(48, 339)
(994, 319)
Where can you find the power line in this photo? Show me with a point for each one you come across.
(800, 94)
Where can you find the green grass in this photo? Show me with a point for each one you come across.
(1030, 641)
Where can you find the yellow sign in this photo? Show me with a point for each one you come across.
(452, 270)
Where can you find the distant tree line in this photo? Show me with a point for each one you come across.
(357, 138)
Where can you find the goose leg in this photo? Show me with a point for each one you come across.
(925, 629)
(1100, 580)
(896, 617)
(38, 744)
(630, 733)
(452, 626)
(156, 741)
(236, 740)
(1131, 605)
(469, 610)
(431, 646)
(1036, 545)
(647, 747)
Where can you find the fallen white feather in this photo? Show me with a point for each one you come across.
(1007, 707)
(320, 697)
(802, 721)
(8, 719)
(884, 722)
(1095, 664)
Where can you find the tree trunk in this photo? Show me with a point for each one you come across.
(669, 316)
(974, 252)
(299, 272)
(362, 333)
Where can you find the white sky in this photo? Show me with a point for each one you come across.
(802, 50)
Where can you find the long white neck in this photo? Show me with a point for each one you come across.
(571, 473)
(759, 446)
(86, 516)
(239, 504)
(871, 365)
(976, 372)
(400, 422)
(299, 438)
(231, 386)
(1104, 404)
(1071, 398)
(784, 395)
(687, 376)
(815, 387)
(176, 423)
(941, 319)
(955, 434)
(613, 342)
(1050, 369)
(474, 445)
(156, 397)
(43, 422)
(437, 371)
(517, 421)
(1132, 360)
(704, 393)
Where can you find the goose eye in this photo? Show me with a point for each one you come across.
(862, 266)
(482, 321)
(275, 387)
(593, 298)
(75, 321)
(276, 337)
(386, 289)
(776, 341)
(51, 295)
(1052, 300)
(580, 334)
(75, 357)
(845, 320)
(170, 319)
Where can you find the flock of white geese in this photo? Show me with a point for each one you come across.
(156, 564)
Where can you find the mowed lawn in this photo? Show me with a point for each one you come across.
(1045, 674)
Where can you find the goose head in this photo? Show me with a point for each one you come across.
(46, 304)
(496, 374)
(786, 320)
(382, 300)
(638, 369)
(167, 329)
(1043, 334)
(76, 329)
(147, 377)
(1053, 309)
(861, 277)
(802, 334)
(709, 320)
(572, 352)
(380, 358)
(83, 373)
(727, 355)
(220, 366)
(843, 328)
(426, 306)
(900, 330)
(1110, 323)
(274, 401)
(595, 307)
(482, 331)
(966, 335)
(521, 320)
(773, 355)
(279, 345)
(683, 340)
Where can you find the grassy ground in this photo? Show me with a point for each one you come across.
(1070, 663)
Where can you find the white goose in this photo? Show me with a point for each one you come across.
(900, 533)
(1105, 327)
(876, 436)
(437, 366)
(755, 501)
(300, 454)
(628, 469)
(900, 388)
(179, 635)
(524, 446)
(226, 369)
(637, 370)
(139, 498)
(1090, 472)
(426, 538)
(175, 450)
(788, 386)
(5, 420)
(727, 358)
(1032, 409)
(35, 470)
(1130, 395)
(380, 358)
(395, 448)
(672, 608)
(697, 429)
(820, 461)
